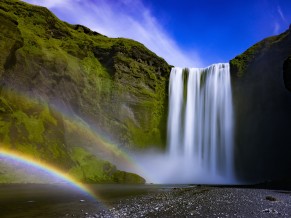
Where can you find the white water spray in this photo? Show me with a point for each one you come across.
(201, 118)
(200, 122)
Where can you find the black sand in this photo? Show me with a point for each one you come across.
(142, 201)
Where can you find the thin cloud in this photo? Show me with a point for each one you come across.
(277, 28)
(281, 14)
(123, 18)
(48, 3)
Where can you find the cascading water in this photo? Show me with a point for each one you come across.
(199, 135)
(201, 118)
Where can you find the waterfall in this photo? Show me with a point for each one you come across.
(199, 134)
(200, 121)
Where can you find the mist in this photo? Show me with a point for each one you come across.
(162, 168)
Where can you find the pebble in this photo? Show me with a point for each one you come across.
(270, 210)
(271, 198)
(201, 202)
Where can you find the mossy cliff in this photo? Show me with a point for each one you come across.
(35, 130)
(262, 101)
(117, 85)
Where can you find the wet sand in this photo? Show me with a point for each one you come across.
(142, 201)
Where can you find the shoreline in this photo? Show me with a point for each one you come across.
(143, 201)
(204, 201)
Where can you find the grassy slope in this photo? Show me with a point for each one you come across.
(240, 63)
(31, 127)
(117, 84)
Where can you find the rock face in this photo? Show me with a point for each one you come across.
(117, 85)
(262, 101)
(287, 73)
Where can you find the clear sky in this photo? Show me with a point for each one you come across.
(192, 33)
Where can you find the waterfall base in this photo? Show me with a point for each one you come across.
(161, 168)
(200, 135)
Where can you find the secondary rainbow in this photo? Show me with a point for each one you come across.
(99, 141)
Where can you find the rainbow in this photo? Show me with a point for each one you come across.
(14, 156)
(99, 143)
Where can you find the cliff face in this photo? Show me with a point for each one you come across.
(117, 85)
(287, 73)
(262, 101)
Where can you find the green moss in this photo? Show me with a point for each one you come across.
(47, 117)
(33, 126)
(36, 133)
(239, 64)
(142, 139)
(128, 178)
(28, 149)
(92, 66)
(89, 168)
(117, 84)
(203, 77)
(4, 132)
(146, 119)
(29, 127)
(185, 74)
(99, 68)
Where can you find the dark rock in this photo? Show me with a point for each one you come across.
(262, 110)
(270, 210)
(287, 73)
(270, 198)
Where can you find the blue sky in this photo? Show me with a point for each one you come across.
(193, 33)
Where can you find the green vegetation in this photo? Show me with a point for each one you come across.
(32, 128)
(117, 84)
(239, 64)
(89, 169)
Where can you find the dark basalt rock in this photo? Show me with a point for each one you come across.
(262, 102)
(287, 73)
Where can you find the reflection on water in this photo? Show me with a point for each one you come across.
(32, 200)
(60, 200)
